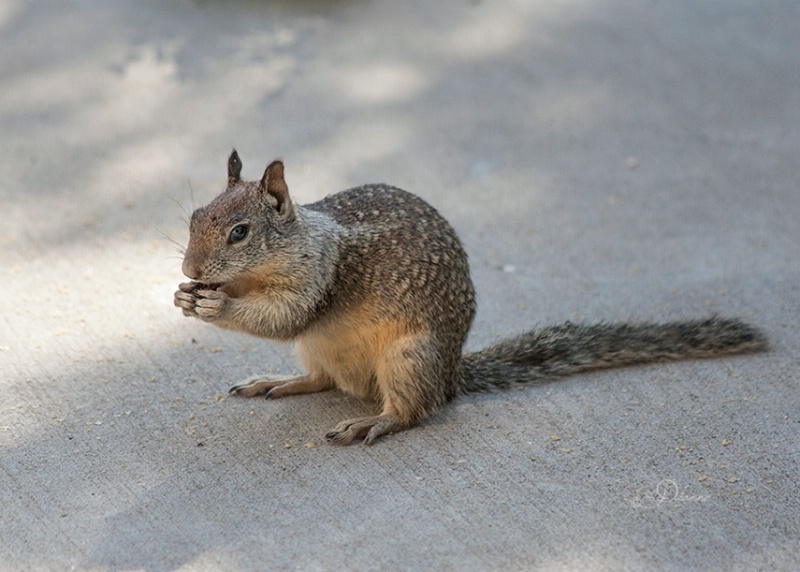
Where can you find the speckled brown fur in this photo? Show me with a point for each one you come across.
(374, 286)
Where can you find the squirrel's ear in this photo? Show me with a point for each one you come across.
(273, 183)
(234, 168)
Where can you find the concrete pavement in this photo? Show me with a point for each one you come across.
(601, 159)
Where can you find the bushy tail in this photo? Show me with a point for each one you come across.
(557, 351)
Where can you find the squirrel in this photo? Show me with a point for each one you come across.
(373, 284)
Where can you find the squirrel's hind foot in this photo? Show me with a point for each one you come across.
(368, 428)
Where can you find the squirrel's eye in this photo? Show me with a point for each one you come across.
(238, 233)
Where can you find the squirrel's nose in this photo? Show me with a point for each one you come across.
(190, 269)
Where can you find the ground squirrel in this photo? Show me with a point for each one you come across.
(374, 286)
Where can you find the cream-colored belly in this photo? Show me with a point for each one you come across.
(348, 352)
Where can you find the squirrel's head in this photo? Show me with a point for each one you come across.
(242, 229)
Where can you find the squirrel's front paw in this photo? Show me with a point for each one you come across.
(210, 305)
(186, 298)
(199, 301)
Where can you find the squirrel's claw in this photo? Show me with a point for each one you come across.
(185, 301)
(368, 428)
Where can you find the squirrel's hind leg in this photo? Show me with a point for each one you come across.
(281, 387)
(408, 377)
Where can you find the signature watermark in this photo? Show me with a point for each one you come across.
(666, 491)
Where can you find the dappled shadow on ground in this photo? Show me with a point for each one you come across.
(128, 107)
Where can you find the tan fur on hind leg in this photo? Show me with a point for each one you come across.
(407, 379)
